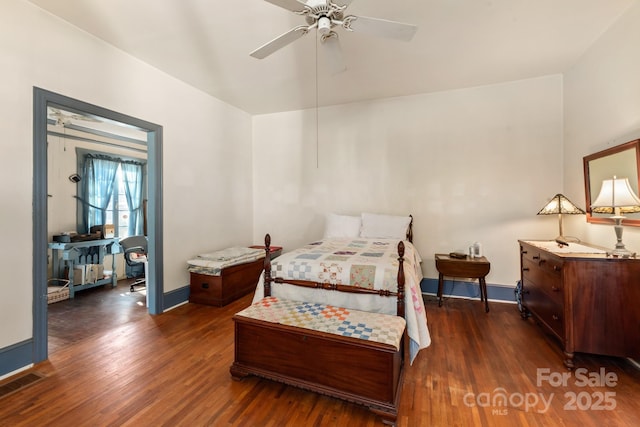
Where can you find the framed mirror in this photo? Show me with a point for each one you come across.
(623, 161)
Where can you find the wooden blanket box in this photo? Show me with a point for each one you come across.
(233, 282)
(353, 369)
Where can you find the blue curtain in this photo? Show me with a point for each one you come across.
(99, 173)
(132, 176)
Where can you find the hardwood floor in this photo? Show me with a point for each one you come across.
(124, 367)
(94, 311)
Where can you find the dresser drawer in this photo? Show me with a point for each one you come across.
(547, 310)
(542, 260)
(547, 280)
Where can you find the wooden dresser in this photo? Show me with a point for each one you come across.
(588, 300)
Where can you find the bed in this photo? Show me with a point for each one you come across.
(360, 251)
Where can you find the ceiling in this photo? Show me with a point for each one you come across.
(459, 43)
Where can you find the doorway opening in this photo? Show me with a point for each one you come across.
(44, 103)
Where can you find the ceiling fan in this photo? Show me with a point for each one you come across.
(325, 15)
(64, 118)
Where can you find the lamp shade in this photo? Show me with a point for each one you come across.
(559, 204)
(615, 194)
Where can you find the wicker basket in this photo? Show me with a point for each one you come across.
(57, 293)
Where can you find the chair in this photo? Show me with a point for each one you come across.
(135, 255)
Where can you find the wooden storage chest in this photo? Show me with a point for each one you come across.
(232, 283)
(353, 369)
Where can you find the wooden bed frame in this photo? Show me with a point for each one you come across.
(352, 369)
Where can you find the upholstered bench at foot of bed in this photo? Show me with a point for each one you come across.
(352, 355)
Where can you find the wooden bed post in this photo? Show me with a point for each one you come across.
(401, 279)
(267, 265)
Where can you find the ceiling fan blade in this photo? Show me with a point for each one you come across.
(280, 42)
(335, 59)
(292, 5)
(84, 118)
(380, 27)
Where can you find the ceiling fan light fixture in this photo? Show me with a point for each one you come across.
(324, 25)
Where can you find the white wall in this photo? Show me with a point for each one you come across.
(207, 148)
(602, 110)
(470, 165)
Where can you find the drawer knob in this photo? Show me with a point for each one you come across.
(536, 257)
(555, 289)
(525, 269)
(555, 317)
(556, 268)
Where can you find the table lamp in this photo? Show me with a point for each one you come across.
(617, 197)
(560, 205)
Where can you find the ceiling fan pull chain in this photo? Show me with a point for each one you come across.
(317, 115)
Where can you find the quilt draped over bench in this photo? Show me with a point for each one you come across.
(212, 263)
(368, 263)
(382, 328)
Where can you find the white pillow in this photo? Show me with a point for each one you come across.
(342, 226)
(384, 226)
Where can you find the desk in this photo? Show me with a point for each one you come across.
(88, 252)
(473, 268)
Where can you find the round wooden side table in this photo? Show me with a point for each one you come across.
(472, 268)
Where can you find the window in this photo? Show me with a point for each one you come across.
(112, 192)
(118, 212)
